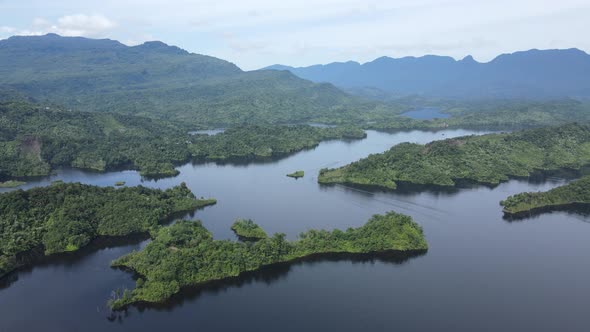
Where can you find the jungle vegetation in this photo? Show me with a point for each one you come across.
(64, 217)
(573, 193)
(247, 229)
(185, 254)
(11, 184)
(263, 141)
(159, 81)
(487, 159)
(165, 82)
(487, 114)
(36, 139)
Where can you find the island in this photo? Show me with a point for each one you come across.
(185, 254)
(487, 159)
(575, 193)
(11, 184)
(64, 217)
(246, 229)
(296, 175)
(119, 183)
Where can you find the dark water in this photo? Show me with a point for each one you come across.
(427, 113)
(482, 273)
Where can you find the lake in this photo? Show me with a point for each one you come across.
(426, 113)
(481, 273)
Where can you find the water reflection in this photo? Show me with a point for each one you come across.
(273, 273)
(476, 260)
(36, 258)
(574, 209)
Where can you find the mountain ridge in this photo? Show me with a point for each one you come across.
(536, 74)
(162, 81)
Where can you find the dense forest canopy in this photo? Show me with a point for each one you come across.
(265, 141)
(35, 139)
(489, 114)
(486, 159)
(575, 192)
(248, 229)
(185, 253)
(66, 216)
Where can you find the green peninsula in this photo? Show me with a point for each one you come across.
(247, 229)
(34, 140)
(185, 254)
(11, 184)
(574, 193)
(263, 141)
(488, 159)
(64, 217)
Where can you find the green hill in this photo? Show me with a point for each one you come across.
(574, 193)
(161, 81)
(485, 159)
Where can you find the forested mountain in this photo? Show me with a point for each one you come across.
(528, 74)
(161, 81)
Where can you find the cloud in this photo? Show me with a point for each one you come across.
(69, 25)
(84, 25)
(5, 29)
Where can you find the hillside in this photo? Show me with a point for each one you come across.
(161, 81)
(533, 74)
(488, 159)
(573, 193)
(34, 140)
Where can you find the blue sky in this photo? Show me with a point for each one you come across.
(257, 33)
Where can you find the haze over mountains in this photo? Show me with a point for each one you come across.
(161, 81)
(533, 74)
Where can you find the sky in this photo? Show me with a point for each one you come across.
(258, 33)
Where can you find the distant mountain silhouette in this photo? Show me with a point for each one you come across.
(529, 74)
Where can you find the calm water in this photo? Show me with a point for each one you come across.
(427, 113)
(482, 273)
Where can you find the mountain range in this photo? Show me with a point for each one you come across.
(533, 74)
(161, 81)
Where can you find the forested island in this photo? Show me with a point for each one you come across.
(64, 217)
(574, 193)
(248, 230)
(185, 254)
(296, 175)
(34, 140)
(487, 159)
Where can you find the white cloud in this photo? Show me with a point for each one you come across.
(83, 25)
(69, 25)
(5, 29)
